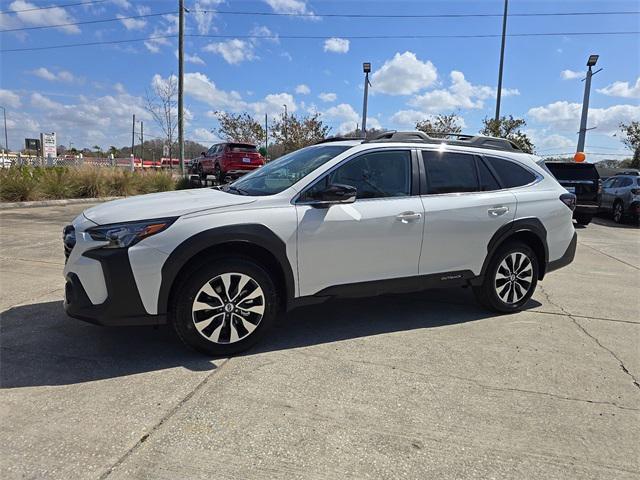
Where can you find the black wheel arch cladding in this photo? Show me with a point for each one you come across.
(250, 235)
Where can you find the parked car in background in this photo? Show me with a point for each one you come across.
(228, 161)
(583, 180)
(621, 196)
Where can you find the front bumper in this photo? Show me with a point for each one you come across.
(122, 306)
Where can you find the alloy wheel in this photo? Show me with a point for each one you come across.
(617, 213)
(228, 308)
(514, 277)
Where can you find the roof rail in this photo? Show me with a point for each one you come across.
(459, 139)
(337, 139)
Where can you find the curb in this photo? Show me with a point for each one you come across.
(54, 203)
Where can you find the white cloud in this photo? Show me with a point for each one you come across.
(132, 23)
(565, 116)
(122, 4)
(168, 26)
(460, 94)
(404, 74)
(44, 103)
(273, 104)
(61, 76)
(336, 45)
(289, 6)
(303, 89)
(570, 74)
(43, 17)
(407, 118)
(119, 88)
(200, 87)
(622, 89)
(328, 97)
(203, 15)
(204, 135)
(9, 99)
(263, 31)
(234, 51)
(195, 59)
(548, 142)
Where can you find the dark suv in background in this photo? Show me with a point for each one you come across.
(228, 161)
(621, 196)
(583, 180)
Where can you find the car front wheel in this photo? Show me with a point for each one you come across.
(224, 307)
(510, 280)
(618, 212)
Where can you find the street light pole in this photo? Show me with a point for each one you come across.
(286, 136)
(504, 36)
(582, 134)
(6, 141)
(366, 68)
(180, 87)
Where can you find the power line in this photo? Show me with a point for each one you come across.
(319, 37)
(87, 22)
(53, 6)
(433, 15)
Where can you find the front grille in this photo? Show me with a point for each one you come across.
(69, 240)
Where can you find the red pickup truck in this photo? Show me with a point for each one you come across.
(227, 161)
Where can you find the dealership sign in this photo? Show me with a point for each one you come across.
(48, 142)
(32, 144)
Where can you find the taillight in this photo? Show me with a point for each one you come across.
(569, 199)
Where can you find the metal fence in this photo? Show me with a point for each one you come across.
(132, 163)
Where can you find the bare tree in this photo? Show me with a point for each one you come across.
(162, 103)
(440, 125)
(631, 139)
(240, 127)
(509, 128)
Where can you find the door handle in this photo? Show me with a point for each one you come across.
(497, 211)
(407, 217)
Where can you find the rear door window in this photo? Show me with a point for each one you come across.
(511, 174)
(450, 172)
(625, 182)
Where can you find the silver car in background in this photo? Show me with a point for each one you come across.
(621, 196)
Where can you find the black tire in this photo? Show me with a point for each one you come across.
(201, 174)
(218, 173)
(488, 294)
(584, 219)
(618, 212)
(218, 335)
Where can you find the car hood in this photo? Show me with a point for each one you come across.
(165, 204)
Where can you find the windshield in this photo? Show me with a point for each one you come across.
(280, 174)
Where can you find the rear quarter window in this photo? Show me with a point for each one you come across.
(511, 174)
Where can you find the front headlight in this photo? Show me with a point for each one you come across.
(123, 235)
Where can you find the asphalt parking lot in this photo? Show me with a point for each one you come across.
(417, 386)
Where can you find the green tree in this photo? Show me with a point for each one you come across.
(297, 132)
(631, 139)
(240, 127)
(439, 125)
(509, 128)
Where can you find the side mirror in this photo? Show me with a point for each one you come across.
(334, 194)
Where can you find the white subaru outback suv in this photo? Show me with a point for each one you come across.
(403, 212)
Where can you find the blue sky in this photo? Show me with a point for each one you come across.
(88, 94)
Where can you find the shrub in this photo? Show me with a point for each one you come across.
(183, 183)
(122, 183)
(89, 182)
(56, 183)
(155, 181)
(19, 184)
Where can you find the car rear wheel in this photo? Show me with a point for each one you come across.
(618, 212)
(510, 280)
(217, 172)
(225, 307)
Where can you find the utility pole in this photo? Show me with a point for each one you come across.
(141, 140)
(266, 136)
(366, 68)
(6, 141)
(181, 86)
(593, 59)
(286, 135)
(504, 37)
(133, 134)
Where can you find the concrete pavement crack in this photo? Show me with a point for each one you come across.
(162, 421)
(584, 330)
(477, 383)
(610, 256)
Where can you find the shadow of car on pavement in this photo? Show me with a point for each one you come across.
(42, 346)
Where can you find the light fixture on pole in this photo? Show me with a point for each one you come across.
(366, 68)
(591, 62)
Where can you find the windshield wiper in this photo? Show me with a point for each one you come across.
(239, 191)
